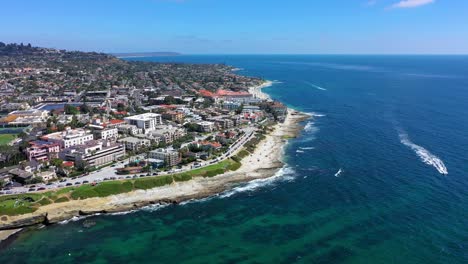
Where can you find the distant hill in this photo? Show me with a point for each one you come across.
(145, 54)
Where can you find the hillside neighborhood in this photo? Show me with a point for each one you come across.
(73, 118)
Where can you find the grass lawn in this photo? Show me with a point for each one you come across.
(6, 138)
(27, 203)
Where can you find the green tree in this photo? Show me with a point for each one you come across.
(71, 110)
(56, 162)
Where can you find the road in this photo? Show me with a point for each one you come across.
(108, 173)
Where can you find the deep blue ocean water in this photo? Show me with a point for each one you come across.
(366, 182)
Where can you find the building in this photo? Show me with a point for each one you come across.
(279, 108)
(134, 144)
(69, 137)
(20, 175)
(168, 134)
(107, 133)
(93, 153)
(27, 117)
(170, 156)
(47, 175)
(206, 126)
(40, 150)
(129, 130)
(173, 116)
(147, 121)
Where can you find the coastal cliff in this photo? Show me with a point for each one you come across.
(264, 162)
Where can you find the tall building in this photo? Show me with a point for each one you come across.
(147, 121)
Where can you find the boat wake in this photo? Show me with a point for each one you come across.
(425, 155)
(316, 86)
(338, 173)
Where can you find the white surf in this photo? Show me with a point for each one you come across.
(425, 155)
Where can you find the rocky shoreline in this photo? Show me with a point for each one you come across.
(265, 162)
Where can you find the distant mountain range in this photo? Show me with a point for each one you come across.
(145, 54)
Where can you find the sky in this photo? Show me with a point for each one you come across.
(241, 26)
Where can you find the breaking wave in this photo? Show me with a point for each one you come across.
(284, 174)
(306, 148)
(425, 155)
(309, 127)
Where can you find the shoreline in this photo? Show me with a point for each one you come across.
(264, 162)
(257, 90)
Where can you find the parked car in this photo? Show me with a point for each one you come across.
(85, 181)
(69, 184)
(76, 183)
(41, 189)
(31, 189)
(128, 177)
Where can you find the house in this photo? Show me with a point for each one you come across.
(20, 175)
(47, 175)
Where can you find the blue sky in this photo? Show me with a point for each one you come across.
(241, 26)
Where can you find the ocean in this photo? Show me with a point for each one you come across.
(379, 175)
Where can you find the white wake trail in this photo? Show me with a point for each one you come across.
(425, 155)
(316, 86)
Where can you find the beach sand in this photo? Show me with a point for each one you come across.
(263, 163)
(257, 90)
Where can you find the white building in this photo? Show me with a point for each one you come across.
(170, 156)
(147, 121)
(108, 133)
(94, 153)
(69, 137)
(129, 129)
(206, 126)
(134, 144)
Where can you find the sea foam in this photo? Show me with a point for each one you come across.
(425, 155)
(284, 174)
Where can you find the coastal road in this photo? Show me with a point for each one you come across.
(108, 173)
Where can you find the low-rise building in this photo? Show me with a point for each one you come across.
(106, 134)
(134, 144)
(20, 175)
(206, 126)
(93, 153)
(173, 116)
(170, 156)
(41, 150)
(129, 130)
(69, 137)
(168, 134)
(47, 175)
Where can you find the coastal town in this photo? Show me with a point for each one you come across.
(88, 133)
(75, 118)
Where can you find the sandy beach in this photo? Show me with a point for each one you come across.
(257, 90)
(263, 163)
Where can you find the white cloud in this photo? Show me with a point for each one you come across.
(411, 3)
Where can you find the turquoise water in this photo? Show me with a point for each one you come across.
(393, 125)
